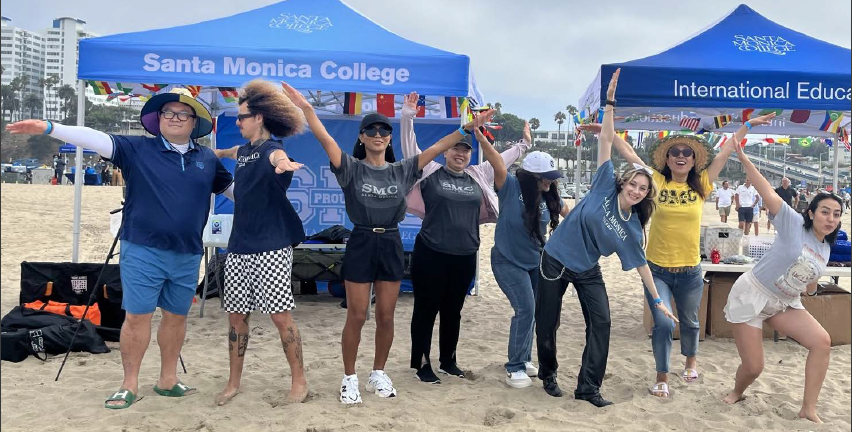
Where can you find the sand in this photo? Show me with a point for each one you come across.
(36, 226)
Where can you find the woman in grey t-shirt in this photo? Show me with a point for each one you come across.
(374, 190)
(771, 291)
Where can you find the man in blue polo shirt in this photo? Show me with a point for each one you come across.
(169, 182)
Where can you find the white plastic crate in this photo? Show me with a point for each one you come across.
(757, 246)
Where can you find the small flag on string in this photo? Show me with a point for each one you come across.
(101, 88)
(662, 134)
(782, 140)
(805, 142)
(827, 141)
(230, 94)
(832, 121)
(194, 90)
(638, 142)
(451, 107)
(747, 114)
(352, 103)
(421, 106)
(743, 142)
(766, 111)
(800, 115)
(577, 137)
(721, 142)
(769, 140)
(384, 104)
(721, 121)
(690, 123)
(464, 110)
(154, 88)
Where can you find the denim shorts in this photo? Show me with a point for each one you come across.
(152, 278)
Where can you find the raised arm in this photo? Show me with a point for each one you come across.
(282, 162)
(493, 157)
(230, 153)
(328, 143)
(722, 157)
(509, 155)
(771, 200)
(452, 139)
(406, 126)
(87, 138)
(608, 126)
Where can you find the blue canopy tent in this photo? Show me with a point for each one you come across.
(315, 45)
(742, 65)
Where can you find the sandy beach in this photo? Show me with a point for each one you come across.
(36, 226)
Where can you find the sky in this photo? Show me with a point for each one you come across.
(534, 57)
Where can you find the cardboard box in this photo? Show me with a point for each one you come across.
(648, 321)
(832, 307)
(720, 287)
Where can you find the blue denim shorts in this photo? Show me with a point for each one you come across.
(152, 278)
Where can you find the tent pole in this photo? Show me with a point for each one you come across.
(79, 174)
(836, 167)
(476, 275)
(579, 149)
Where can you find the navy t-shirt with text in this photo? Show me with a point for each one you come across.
(264, 218)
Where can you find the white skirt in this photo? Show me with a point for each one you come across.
(751, 303)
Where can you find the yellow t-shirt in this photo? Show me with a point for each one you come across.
(674, 235)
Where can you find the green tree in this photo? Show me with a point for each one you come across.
(18, 84)
(33, 103)
(68, 97)
(559, 118)
(10, 100)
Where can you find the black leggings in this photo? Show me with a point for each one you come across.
(441, 282)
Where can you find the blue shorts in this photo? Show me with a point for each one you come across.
(152, 277)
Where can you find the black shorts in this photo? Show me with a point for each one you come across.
(745, 214)
(373, 256)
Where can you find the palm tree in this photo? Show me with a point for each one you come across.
(18, 83)
(9, 100)
(48, 84)
(535, 124)
(559, 118)
(498, 106)
(32, 102)
(68, 96)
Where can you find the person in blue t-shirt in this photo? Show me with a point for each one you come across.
(611, 218)
(529, 203)
(374, 188)
(169, 182)
(266, 228)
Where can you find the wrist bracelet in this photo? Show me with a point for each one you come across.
(747, 125)
(658, 301)
(49, 127)
(610, 102)
(462, 131)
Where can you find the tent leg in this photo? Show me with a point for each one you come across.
(78, 175)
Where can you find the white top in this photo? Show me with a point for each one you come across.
(724, 197)
(747, 195)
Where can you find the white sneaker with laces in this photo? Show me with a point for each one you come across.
(381, 384)
(349, 392)
(518, 379)
(532, 371)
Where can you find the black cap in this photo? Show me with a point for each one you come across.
(373, 118)
(466, 141)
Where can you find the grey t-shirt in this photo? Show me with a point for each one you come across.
(452, 204)
(375, 196)
(795, 259)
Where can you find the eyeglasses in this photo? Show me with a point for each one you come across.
(182, 116)
(241, 117)
(676, 152)
(380, 131)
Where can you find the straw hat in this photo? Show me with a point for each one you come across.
(702, 149)
(150, 119)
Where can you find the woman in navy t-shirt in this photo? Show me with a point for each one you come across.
(611, 218)
(374, 187)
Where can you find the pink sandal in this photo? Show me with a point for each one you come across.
(690, 375)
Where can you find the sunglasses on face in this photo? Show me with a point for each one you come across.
(241, 117)
(676, 152)
(182, 116)
(380, 131)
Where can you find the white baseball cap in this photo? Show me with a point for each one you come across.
(542, 164)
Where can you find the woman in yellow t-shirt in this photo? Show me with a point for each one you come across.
(683, 175)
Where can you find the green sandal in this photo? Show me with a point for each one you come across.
(122, 395)
(179, 390)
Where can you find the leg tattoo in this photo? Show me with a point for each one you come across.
(232, 338)
(292, 337)
(243, 344)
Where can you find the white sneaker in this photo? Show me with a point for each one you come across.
(349, 393)
(518, 379)
(380, 383)
(532, 371)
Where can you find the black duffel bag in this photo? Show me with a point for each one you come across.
(37, 332)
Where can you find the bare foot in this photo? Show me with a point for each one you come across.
(812, 416)
(733, 398)
(226, 396)
(298, 394)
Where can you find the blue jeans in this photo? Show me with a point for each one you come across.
(519, 285)
(686, 287)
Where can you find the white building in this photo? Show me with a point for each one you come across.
(562, 137)
(61, 53)
(22, 55)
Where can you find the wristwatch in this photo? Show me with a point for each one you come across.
(610, 102)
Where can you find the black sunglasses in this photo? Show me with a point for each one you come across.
(380, 131)
(242, 117)
(686, 152)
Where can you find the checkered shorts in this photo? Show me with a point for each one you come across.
(259, 281)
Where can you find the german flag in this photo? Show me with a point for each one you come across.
(721, 121)
(352, 103)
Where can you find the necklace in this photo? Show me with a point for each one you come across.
(629, 215)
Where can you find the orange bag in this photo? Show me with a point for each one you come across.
(94, 314)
